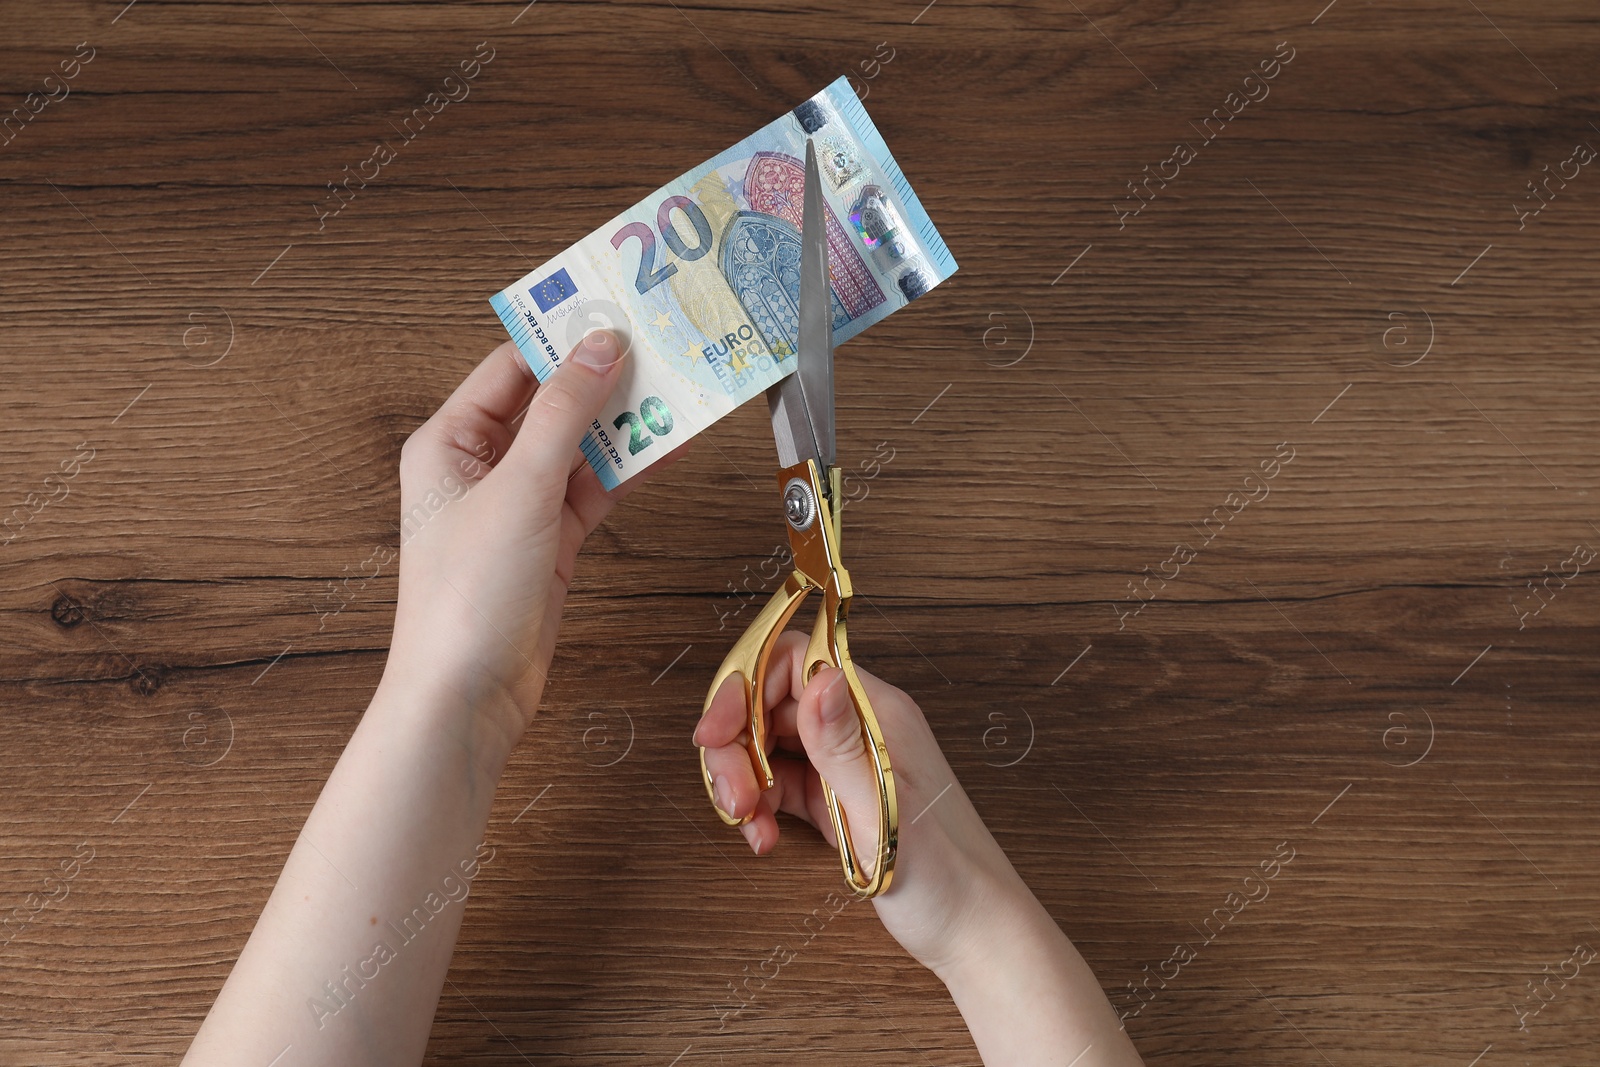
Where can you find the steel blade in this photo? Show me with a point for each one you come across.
(816, 315)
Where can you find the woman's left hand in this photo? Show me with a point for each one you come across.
(496, 499)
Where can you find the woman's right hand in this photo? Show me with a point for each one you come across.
(951, 880)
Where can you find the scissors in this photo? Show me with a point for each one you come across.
(810, 488)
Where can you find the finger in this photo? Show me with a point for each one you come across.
(592, 501)
(831, 731)
(500, 387)
(722, 732)
(761, 832)
(563, 409)
(733, 779)
(733, 776)
(473, 429)
(817, 805)
(588, 503)
(784, 685)
(786, 721)
(788, 793)
(784, 667)
(795, 779)
(728, 715)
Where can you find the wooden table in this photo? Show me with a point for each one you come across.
(1240, 508)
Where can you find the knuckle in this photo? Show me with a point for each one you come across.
(558, 398)
(841, 743)
(475, 442)
(411, 451)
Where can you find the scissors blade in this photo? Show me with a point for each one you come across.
(802, 404)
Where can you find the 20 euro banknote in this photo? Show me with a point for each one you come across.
(702, 277)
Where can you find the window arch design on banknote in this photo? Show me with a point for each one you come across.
(761, 260)
(776, 183)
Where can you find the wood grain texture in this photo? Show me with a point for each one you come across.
(1338, 667)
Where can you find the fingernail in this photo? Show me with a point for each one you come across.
(599, 350)
(752, 835)
(724, 799)
(835, 699)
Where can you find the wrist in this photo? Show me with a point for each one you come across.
(1005, 924)
(450, 708)
(1027, 995)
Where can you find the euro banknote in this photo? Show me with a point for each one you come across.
(701, 279)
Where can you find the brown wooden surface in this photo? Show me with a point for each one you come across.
(1280, 689)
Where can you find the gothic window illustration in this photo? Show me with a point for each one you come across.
(761, 261)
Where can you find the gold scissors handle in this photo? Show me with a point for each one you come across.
(814, 537)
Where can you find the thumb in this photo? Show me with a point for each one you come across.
(831, 732)
(564, 408)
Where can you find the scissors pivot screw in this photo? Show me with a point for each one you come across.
(798, 507)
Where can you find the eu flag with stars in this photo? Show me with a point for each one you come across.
(554, 289)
